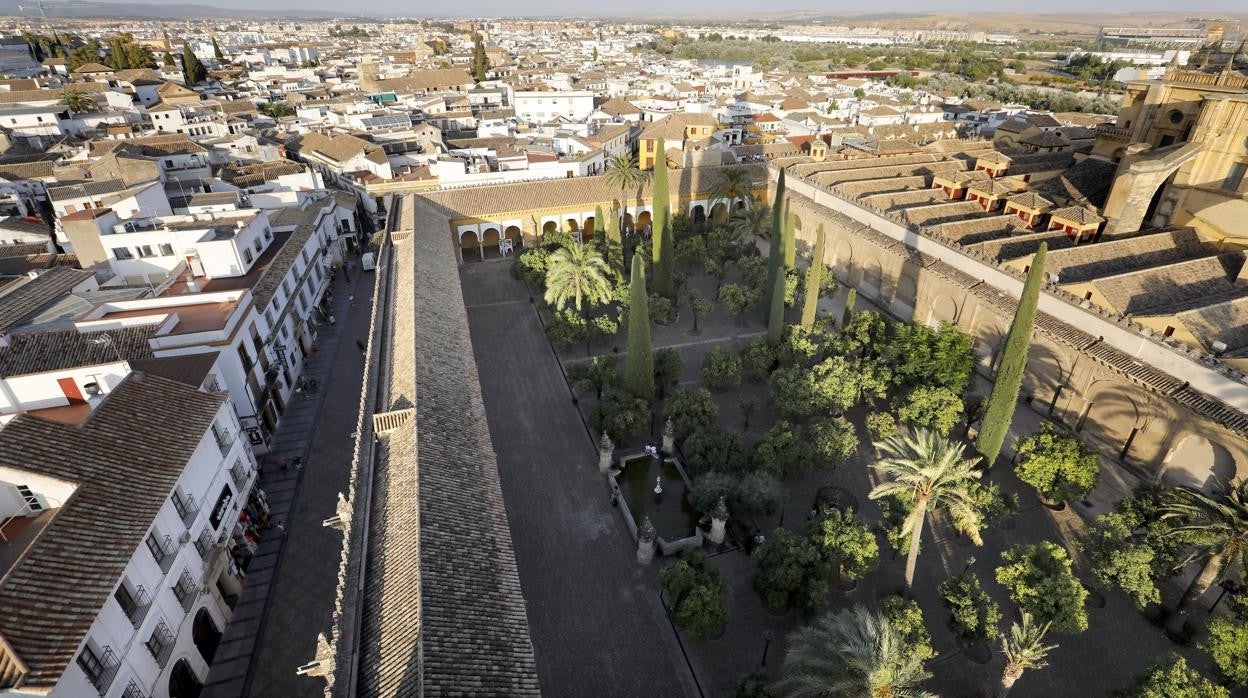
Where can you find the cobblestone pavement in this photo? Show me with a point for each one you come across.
(596, 622)
(291, 583)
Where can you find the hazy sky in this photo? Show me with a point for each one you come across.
(634, 8)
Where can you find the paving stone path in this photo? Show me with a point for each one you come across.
(291, 583)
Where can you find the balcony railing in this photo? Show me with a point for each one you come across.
(1111, 132)
(160, 644)
(133, 691)
(102, 672)
(136, 609)
(203, 544)
(164, 552)
(240, 474)
(224, 439)
(186, 507)
(185, 590)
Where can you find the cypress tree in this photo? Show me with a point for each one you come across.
(775, 312)
(1004, 398)
(661, 237)
(615, 246)
(216, 50)
(775, 248)
(480, 61)
(814, 279)
(639, 373)
(790, 238)
(192, 70)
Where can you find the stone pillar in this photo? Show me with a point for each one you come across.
(669, 437)
(646, 536)
(606, 449)
(719, 519)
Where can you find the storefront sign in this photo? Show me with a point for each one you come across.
(221, 507)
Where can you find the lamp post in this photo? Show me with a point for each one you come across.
(969, 561)
(767, 638)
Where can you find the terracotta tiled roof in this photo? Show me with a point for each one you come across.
(36, 352)
(28, 297)
(125, 459)
(1076, 214)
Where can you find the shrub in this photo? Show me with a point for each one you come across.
(530, 266)
(713, 449)
(935, 408)
(994, 505)
(566, 327)
(620, 414)
(757, 359)
(973, 614)
(662, 312)
(791, 572)
(1040, 581)
(668, 365)
(907, 618)
(1228, 646)
(760, 493)
(896, 512)
(603, 327)
(750, 493)
(881, 425)
(721, 369)
(738, 300)
(792, 287)
(753, 271)
(782, 451)
(694, 590)
(595, 376)
(1120, 559)
(1057, 464)
(756, 684)
(1173, 678)
(691, 410)
(846, 543)
(832, 442)
(799, 346)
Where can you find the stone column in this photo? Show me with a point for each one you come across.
(646, 536)
(669, 437)
(606, 449)
(719, 519)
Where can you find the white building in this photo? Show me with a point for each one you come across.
(540, 107)
(137, 606)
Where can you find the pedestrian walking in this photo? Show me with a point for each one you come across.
(360, 344)
(281, 528)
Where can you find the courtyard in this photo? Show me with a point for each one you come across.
(597, 618)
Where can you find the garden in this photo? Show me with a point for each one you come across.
(882, 533)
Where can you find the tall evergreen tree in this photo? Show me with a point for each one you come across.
(814, 280)
(775, 313)
(790, 238)
(639, 372)
(614, 243)
(661, 238)
(480, 62)
(193, 71)
(216, 50)
(775, 248)
(1004, 398)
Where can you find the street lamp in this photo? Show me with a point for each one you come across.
(969, 561)
(767, 638)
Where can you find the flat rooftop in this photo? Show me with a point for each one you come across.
(200, 317)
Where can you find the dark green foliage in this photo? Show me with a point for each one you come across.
(193, 71)
(668, 365)
(782, 451)
(595, 376)
(721, 368)
(799, 346)
(1227, 645)
(1057, 463)
(1133, 548)
(864, 334)
(663, 246)
(1040, 581)
(753, 271)
(713, 449)
(1004, 397)
(530, 266)
(691, 410)
(922, 356)
(639, 373)
(814, 281)
(832, 442)
(881, 425)
(1173, 678)
(907, 618)
(620, 414)
(748, 493)
(565, 328)
(756, 684)
(775, 247)
(480, 61)
(895, 511)
(694, 595)
(216, 50)
(973, 614)
(846, 543)
(829, 387)
(757, 359)
(662, 311)
(775, 316)
(691, 252)
(791, 572)
(737, 299)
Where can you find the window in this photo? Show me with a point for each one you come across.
(92, 664)
(247, 256)
(161, 550)
(133, 602)
(286, 285)
(1169, 331)
(185, 590)
(1175, 116)
(146, 251)
(166, 250)
(259, 244)
(122, 253)
(268, 234)
(1235, 177)
(305, 257)
(160, 644)
(30, 499)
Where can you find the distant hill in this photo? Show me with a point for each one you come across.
(170, 10)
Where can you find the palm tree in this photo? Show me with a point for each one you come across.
(752, 221)
(1216, 525)
(852, 654)
(734, 183)
(624, 174)
(78, 101)
(1024, 649)
(930, 468)
(577, 272)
